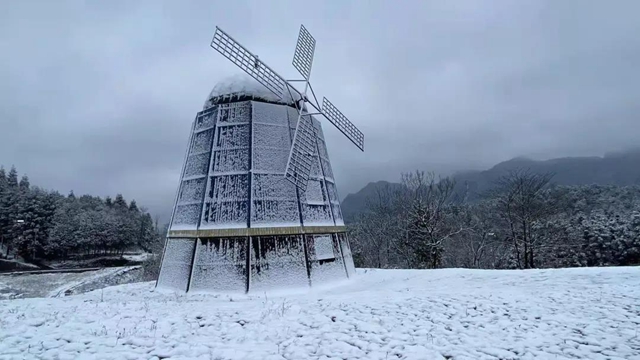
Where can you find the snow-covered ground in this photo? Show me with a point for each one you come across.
(56, 284)
(591, 313)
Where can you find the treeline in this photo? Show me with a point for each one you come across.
(523, 222)
(39, 224)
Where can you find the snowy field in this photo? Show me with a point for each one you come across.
(381, 314)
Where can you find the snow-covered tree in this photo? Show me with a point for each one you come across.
(119, 202)
(24, 182)
(521, 204)
(133, 207)
(12, 178)
(429, 219)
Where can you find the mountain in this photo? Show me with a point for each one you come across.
(353, 204)
(620, 168)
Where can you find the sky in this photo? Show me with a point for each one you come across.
(98, 96)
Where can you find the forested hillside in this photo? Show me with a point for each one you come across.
(522, 222)
(622, 169)
(41, 224)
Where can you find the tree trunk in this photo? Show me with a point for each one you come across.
(517, 249)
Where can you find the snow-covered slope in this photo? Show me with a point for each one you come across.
(58, 284)
(383, 314)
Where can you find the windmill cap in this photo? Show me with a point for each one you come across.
(242, 86)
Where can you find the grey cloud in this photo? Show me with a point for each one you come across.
(98, 97)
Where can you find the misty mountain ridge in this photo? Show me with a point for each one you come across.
(615, 168)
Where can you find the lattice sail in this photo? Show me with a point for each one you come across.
(302, 153)
(303, 56)
(245, 60)
(342, 123)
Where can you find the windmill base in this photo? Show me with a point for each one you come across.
(255, 259)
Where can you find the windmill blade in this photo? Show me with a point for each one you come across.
(342, 123)
(302, 153)
(303, 56)
(245, 60)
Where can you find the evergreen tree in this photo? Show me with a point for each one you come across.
(12, 178)
(24, 182)
(9, 209)
(630, 247)
(133, 206)
(4, 213)
(64, 235)
(36, 210)
(120, 203)
(148, 238)
(108, 201)
(3, 177)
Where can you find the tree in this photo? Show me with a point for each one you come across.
(119, 202)
(520, 203)
(3, 177)
(479, 245)
(9, 207)
(12, 178)
(375, 234)
(63, 238)
(133, 206)
(429, 218)
(24, 182)
(630, 246)
(148, 238)
(36, 210)
(4, 214)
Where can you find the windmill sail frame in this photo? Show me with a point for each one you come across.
(297, 170)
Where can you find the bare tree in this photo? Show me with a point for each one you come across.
(427, 217)
(375, 232)
(520, 203)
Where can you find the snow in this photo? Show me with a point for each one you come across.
(589, 313)
(137, 257)
(56, 284)
(242, 84)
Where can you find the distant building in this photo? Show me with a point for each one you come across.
(238, 224)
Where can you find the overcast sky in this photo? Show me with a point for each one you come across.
(98, 96)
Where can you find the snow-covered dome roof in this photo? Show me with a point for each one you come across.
(242, 85)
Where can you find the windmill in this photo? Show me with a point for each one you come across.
(238, 224)
(299, 163)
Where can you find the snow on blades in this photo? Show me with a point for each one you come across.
(238, 224)
(585, 313)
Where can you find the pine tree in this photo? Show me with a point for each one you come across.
(12, 178)
(9, 208)
(148, 238)
(3, 177)
(4, 213)
(108, 201)
(35, 211)
(119, 202)
(133, 206)
(64, 234)
(24, 182)
(628, 244)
